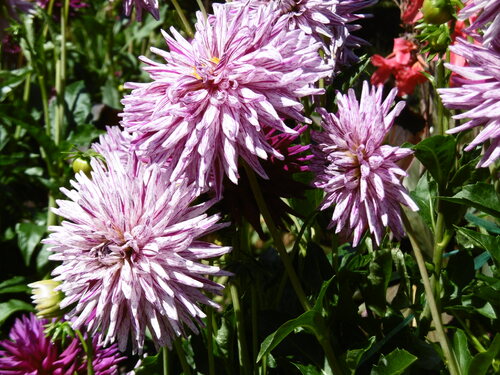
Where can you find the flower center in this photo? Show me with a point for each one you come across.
(109, 253)
(205, 70)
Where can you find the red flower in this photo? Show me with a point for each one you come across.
(411, 11)
(402, 64)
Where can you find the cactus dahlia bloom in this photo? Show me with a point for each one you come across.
(356, 170)
(208, 103)
(28, 351)
(478, 94)
(130, 253)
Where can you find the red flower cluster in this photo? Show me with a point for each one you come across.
(403, 64)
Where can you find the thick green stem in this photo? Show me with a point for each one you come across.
(442, 124)
(187, 27)
(182, 356)
(240, 327)
(278, 243)
(451, 361)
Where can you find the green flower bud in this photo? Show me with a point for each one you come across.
(46, 298)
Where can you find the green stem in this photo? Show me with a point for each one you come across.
(278, 243)
(442, 120)
(61, 75)
(88, 349)
(165, 360)
(202, 8)
(477, 344)
(210, 343)
(185, 23)
(436, 315)
(255, 338)
(240, 327)
(182, 356)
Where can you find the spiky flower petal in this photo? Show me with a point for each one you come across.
(486, 26)
(207, 105)
(478, 94)
(29, 351)
(130, 253)
(356, 170)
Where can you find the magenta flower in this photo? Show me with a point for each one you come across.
(28, 351)
(356, 170)
(207, 105)
(130, 253)
(150, 6)
(478, 94)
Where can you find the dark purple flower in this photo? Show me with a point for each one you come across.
(151, 6)
(356, 170)
(29, 351)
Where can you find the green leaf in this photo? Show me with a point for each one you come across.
(10, 79)
(151, 365)
(486, 242)
(110, 95)
(482, 361)
(17, 284)
(29, 236)
(378, 279)
(437, 154)
(423, 195)
(481, 196)
(309, 319)
(394, 363)
(78, 102)
(352, 357)
(83, 135)
(10, 307)
(308, 369)
(461, 350)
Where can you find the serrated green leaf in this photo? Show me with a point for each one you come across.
(29, 236)
(10, 307)
(482, 361)
(394, 363)
(437, 154)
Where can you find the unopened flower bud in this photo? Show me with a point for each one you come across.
(46, 298)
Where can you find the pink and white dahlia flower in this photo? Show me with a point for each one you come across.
(130, 253)
(29, 351)
(356, 170)
(478, 94)
(207, 105)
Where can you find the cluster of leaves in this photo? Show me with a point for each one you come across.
(369, 303)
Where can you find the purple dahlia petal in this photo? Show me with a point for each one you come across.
(356, 170)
